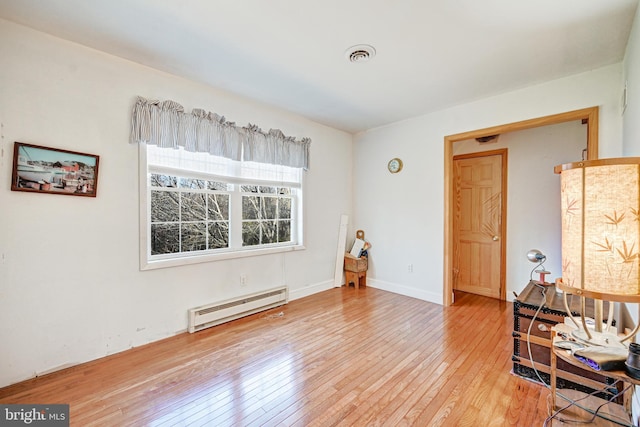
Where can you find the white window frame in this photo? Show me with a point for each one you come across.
(149, 262)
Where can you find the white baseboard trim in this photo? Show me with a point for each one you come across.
(405, 290)
(310, 290)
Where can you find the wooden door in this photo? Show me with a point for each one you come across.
(479, 223)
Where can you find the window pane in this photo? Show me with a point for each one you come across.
(193, 207)
(158, 180)
(165, 239)
(218, 186)
(218, 207)
(284, 231)
(192, 183)
(250, 233)
(269, 207)
(284, 190)
(284, 208)
(218, 235)
(250, 207)
(164, 206)
(269, 232)
(268, 190)
(194, 237)
(249, 188)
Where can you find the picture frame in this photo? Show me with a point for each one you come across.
(40, 169)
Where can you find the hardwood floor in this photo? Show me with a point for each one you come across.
(343, 357)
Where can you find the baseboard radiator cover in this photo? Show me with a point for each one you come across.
(214, 314)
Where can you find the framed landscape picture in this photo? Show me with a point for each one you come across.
(52, 170)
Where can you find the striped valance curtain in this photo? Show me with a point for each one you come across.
(165, 124)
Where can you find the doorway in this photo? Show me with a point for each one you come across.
(479, 188)
(589, 116)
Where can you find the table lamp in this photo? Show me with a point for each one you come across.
(534, 255)
(600, 209)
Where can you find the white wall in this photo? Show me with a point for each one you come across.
(631, 130)
(631, 118)
(70, 286)
(533, 194)
(403, 214)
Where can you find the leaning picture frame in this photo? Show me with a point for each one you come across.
(41, 169)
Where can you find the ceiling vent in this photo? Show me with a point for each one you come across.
(360, 53)
(488, 138)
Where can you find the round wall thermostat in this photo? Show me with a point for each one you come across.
(394, 165)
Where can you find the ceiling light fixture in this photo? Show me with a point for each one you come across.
(488, 138)
(360, 53)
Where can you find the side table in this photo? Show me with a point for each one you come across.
(615, 411)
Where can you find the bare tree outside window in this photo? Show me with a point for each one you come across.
(188, 215)
(266, 216)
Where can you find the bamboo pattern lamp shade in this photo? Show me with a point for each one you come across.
(601, 228)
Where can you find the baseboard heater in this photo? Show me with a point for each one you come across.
(209, 315)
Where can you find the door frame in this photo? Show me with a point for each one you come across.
(504, 158)
(588, 115)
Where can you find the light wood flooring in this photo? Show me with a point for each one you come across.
(343, 357)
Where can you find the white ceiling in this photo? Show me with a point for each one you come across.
(431, 54)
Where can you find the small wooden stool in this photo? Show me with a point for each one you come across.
(355, 270)
(358, 278)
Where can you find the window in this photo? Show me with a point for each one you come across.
(196, 207)
(266, 215)
(187, 214)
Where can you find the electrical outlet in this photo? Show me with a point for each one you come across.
(410, 268)
(243, 280)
